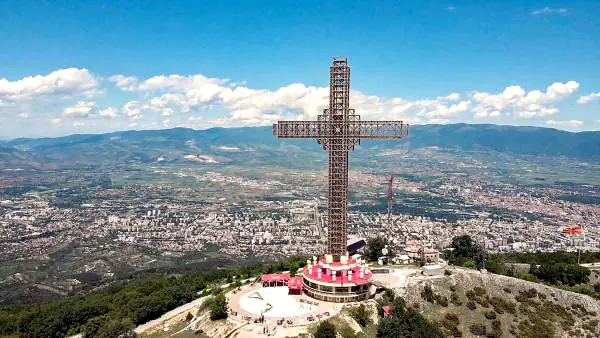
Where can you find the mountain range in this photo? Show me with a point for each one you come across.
(239, 145)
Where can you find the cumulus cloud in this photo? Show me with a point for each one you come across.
(548, 10)
(516, 101)
(588, 98)
(183, 94)
(109, 112)
(80, 109)
(567, 123)
(174, 94)
(200, 101)
(126, 83)
(131, 109)
(62, 82)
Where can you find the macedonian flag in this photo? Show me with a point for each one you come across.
(574, 230)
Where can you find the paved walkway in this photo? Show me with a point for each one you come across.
(323, 311)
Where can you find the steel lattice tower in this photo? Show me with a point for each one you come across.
(338, 130)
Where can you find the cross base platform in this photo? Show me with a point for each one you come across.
(341, 282)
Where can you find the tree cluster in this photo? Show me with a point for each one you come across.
(561, 273)
(115, 310)
(404, 321)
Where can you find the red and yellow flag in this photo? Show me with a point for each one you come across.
(574, 230)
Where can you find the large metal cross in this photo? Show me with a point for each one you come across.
(338, 130)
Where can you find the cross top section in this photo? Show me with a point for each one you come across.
(339, 130)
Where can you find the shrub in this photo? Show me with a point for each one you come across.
(477, 329)
(189, 317)
(483, 301)
(496, 329)
(348, 332)
(447, 272)
(507, 289)
(428, 294)
(456, 332)
(490, 315)
(454, 299)
(442, 300)
(452, 318)
(325, 330)
(479, 291)
(471, 305)
(500, 305)
(361, 314)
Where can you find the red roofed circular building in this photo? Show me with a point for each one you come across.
(341, 282)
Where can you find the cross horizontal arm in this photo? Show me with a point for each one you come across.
(373, 130)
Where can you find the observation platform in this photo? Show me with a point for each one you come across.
(341, 282)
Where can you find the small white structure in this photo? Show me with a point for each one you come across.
(432, 270)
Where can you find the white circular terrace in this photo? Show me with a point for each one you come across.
(274, 302)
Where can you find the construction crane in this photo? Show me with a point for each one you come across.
(390, 196)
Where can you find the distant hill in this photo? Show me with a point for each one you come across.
(257, 144)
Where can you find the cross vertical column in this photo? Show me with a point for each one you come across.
(339, 110)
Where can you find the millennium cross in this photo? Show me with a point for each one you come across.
(338, 130)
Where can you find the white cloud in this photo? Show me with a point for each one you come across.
(246, 106)
(451, 97)
(109, 112)
(515, 100)
(80, 109)
(62, 82)
(588, 98)
(177, 82)
(126, 83)
(438, 121)
(567, 124)
(548, 10)
(23, 115)
(55, 121)
(79, 124)
(131, 109)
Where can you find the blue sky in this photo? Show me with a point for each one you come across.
(79, 67)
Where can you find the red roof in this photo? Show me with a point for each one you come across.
(295, 283)
(275, 277)
(339, 279)
(387, 309)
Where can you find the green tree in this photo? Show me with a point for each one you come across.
(374, 247)
(325, 330)
(466, 252)
(218, 309)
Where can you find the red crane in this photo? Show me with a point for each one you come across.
(390, 197)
